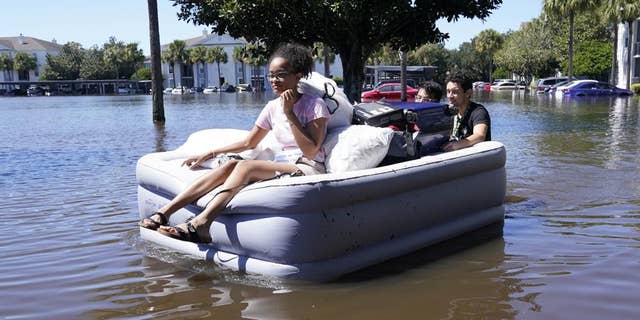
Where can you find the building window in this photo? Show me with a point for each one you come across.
(23, 75)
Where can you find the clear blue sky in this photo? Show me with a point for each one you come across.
(93, 22)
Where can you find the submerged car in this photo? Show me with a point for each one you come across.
(595, 89)
(506, 85)
(544, 84)
(388, 91)
(557, 89)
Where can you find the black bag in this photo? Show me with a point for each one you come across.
(378, 114)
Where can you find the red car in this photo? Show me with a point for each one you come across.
(388, 91)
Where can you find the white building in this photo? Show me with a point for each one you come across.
(232, 72)
(622, 54)
(37, 47)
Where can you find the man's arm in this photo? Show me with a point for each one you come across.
(479, 135)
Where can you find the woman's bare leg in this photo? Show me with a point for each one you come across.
(245, 172)
(199, 188)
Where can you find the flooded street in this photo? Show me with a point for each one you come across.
(71, 249)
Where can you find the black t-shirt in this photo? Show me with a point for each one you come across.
(476, 114)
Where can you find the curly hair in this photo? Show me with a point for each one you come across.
(461, 79)
(433, 89)
(298, 57)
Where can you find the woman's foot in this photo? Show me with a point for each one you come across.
(156, 220)
(188, 231)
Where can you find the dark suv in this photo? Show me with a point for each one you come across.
(544, 84)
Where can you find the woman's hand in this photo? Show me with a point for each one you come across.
(289, 98)
(195, 161)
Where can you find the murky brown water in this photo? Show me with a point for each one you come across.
(71, 249)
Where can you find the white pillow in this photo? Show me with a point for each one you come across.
(205, 140)
(356, 147)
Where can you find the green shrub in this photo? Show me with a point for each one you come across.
(339, 81)
(501, 73)
(143, 73)
(635, 88)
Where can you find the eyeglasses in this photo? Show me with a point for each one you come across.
(280, 75)
(425, 98)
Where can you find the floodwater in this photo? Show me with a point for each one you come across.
(70, 247)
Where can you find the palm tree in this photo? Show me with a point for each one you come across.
(6, 64)
(322, 53)
(217, 55)
(156, 67)
(176, 53)
(114, 55)
(240, 55)
(257, 56)
(562, 8)
(199, 55)
(624, 11)
(488, 42)
(24, 62)
(133, 58)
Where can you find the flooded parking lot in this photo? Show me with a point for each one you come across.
(570, 247)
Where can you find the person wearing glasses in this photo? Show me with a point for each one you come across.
(429, 92)
(299, 124)
(471, 123)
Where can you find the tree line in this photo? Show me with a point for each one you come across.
(581, 45)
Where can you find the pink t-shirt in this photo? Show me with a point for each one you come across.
(307, 109)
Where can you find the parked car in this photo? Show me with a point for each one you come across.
(368, 87)
(591, 88)
(557, 89)
(388, 91)
(543, 84)
(506, 86)
(479, 85)
(167, 90)
(553, 87)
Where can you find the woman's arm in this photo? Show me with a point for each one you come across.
(249, 142)
(309, 138)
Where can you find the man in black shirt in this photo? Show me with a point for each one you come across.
(471, 124)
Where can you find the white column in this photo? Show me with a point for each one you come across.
(622, 54)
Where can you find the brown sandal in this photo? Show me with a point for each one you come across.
(151, 224)
(189, 234)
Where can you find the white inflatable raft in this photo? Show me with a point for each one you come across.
(321, 227)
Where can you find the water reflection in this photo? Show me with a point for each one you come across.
(161, 134)
(454, 285)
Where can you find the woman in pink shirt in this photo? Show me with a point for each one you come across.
(299, 123)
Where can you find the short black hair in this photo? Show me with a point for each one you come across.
(433, 89)
(461, 79)
(298, 57)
